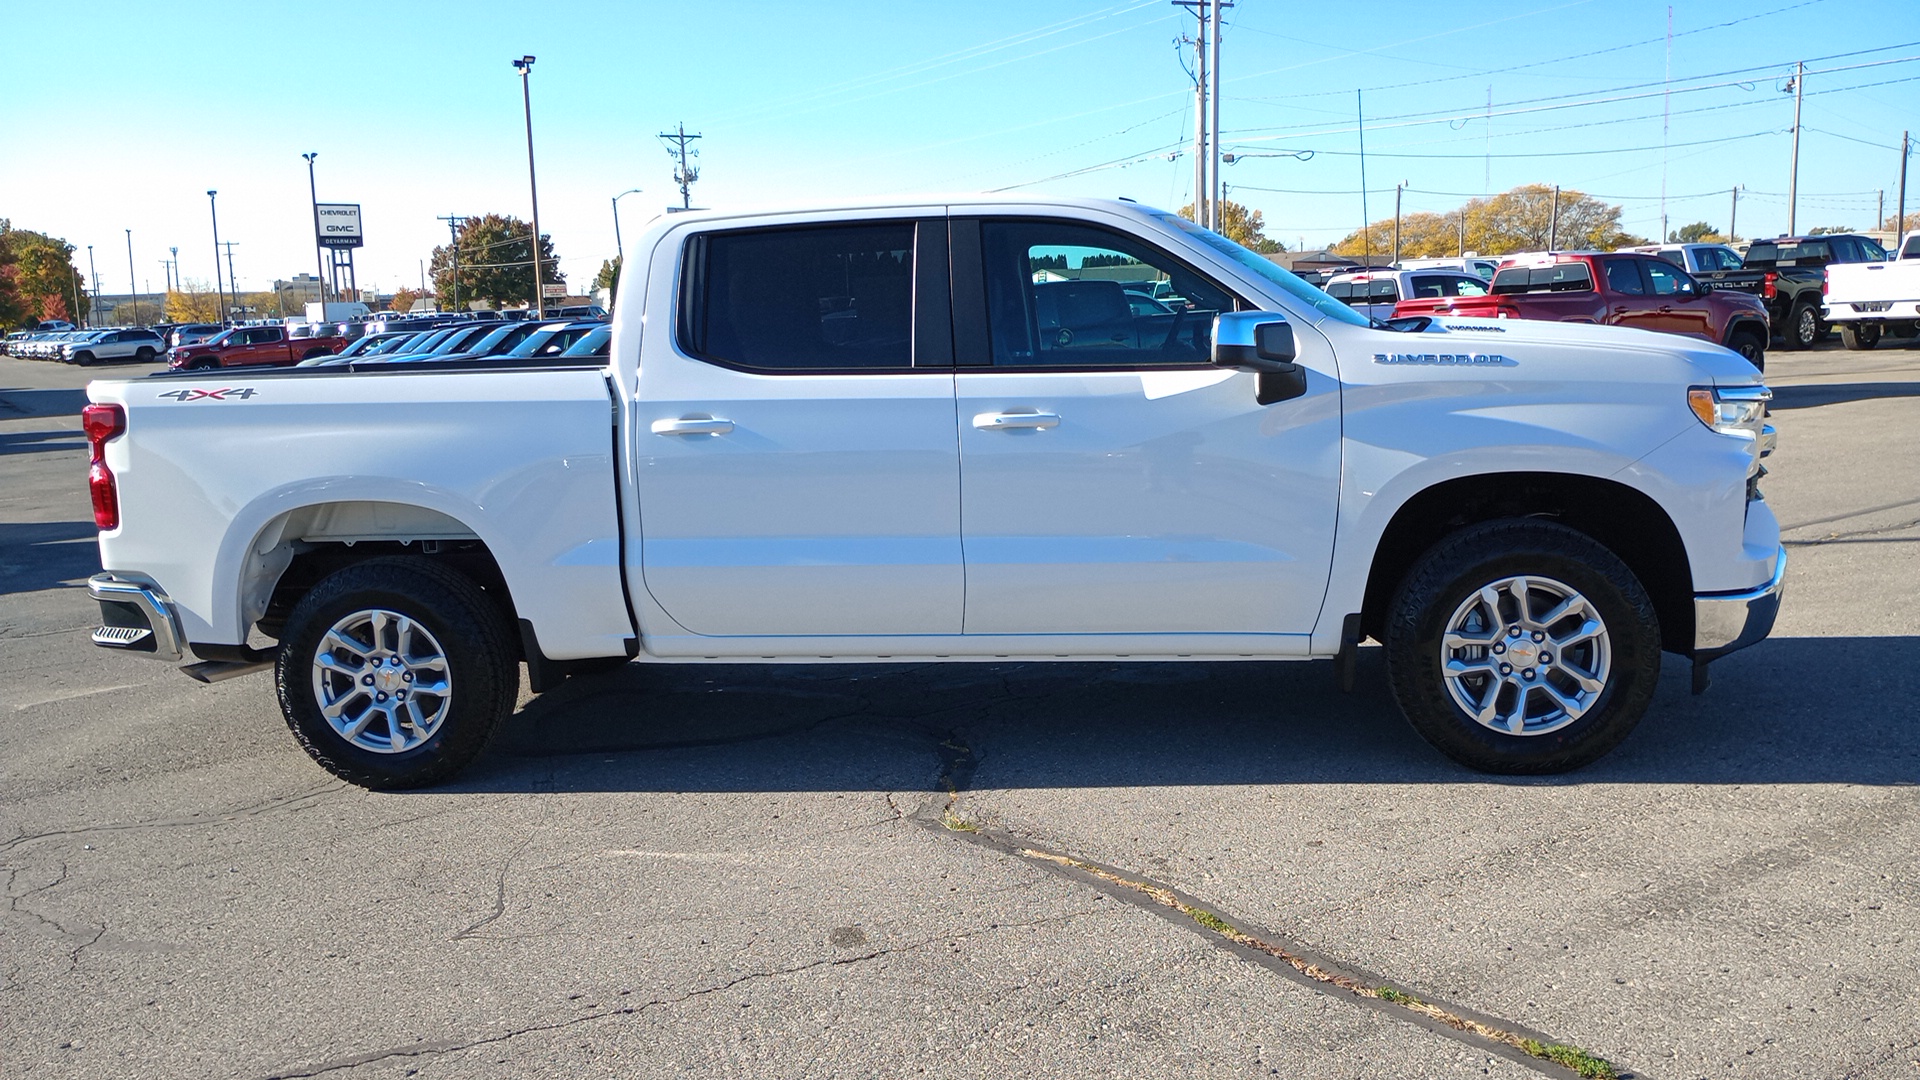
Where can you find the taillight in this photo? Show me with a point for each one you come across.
(1823, 284)
(103, 422)
(1767, 284)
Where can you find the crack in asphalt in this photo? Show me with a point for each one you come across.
(1844, 537)
(1302, 966)
(450, 1046)
(281, 802)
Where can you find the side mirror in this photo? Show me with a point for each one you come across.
(1257, 341)
(1260, 342)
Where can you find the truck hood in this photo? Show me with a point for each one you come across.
(1716, 365)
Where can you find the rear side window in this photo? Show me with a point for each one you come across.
(1623, 276)
(1560, 277)
(810, 299)
(1434, 285)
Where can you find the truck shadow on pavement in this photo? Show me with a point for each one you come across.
(34, 442)
(22, 404)
(1813, 395)
(1797, 710)
(46, 555)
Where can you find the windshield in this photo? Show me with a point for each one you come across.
(1268, 269)
(594, 343)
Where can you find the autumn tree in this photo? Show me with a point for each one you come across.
(193, 302)
(496, 263)
(37, 278)
(1517, 220)
(609, 278)
(1905, 225)
(1697, 233)
(1240, 225)
(403, 299)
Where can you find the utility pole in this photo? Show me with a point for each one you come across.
(175, 252)
(1880, 208)
(1460, 224)
(1733, 215)
(1397, 189)
(1213, 119)
(1793, 178)
(233, 283)
(1553, 224)
(213, 207)
(1366, 233)
(93, 274)
(454, 221)
(1899, 227)
(683, 173)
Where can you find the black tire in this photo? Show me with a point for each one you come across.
(311, 353)
(1752, 344)
(144, 355)
(1859, 335)
(84, 359)
(1446, 580)
(472, 638)
(1802, 328)
(202, 365)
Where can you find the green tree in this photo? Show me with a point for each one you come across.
(1697, 233)
(496, 263)
(1825, 230)
(1242, 226)
(609, 279)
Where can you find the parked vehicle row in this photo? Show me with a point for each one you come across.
(86, 347)
(487, 340)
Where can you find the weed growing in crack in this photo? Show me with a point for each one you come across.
(1572, 1057)
(956, 823)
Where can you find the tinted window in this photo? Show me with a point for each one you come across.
(1665, 278)
(1431, 285)
(1561, 277)
(1624, 277)
(1267, 269)
(1056, 297)
(813, 299)
(1846, 249)
(1874, 252)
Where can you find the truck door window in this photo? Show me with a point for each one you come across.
(1057, 297)
(1665, 279)
(817, 298)
(1623, 276)
(1874, 252)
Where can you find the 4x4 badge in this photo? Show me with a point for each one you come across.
(242, 392)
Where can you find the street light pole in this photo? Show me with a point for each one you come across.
(319, 264)
(94, 275)
(213, 208)
(525, 66)
(618, 250)
(133, 284)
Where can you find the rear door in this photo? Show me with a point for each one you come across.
(1127, 487)
(794, 443)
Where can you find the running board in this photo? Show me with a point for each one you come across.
(213, 671)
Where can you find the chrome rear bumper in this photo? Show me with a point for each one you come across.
(137, 616)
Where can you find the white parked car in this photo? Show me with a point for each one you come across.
(1693, 258)
(1375, 292)
(868, 434)
(138, 345)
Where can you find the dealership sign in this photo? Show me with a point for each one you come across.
(339, 225)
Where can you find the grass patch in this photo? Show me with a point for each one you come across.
(1593, 1068)
(1209, 920)
(1398, 997)
(957, 823)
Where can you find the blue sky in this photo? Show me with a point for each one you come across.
(122, 115)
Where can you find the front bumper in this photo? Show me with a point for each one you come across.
(1728, 622)
(136, 616)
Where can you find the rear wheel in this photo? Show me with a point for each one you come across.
(144, 355)
(1859, 335)
(84, 359)
(395, 672)
(1803, 327)
(202, 365)
(1522, 646)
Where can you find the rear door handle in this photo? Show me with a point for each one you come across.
(1011, 421)
(693, 425)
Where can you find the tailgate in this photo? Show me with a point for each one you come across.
(1873, 283)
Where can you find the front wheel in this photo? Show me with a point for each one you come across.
(1522, 647)
(1859, 335)
(143, 355)
(395, 672)
(84, 359)
(1751, 344)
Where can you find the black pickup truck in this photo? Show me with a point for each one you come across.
(1790, 274)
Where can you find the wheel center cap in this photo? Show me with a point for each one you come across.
(388, 679)
(1523, 654)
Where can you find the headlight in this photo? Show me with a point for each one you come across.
(1739, 411)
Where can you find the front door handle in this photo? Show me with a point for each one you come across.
(693, 425)
(1013, 421)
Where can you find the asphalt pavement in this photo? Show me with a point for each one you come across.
(1070, 870)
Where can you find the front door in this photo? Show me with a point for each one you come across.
(1113, 481)
(793, 438)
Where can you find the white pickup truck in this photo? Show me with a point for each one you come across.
(939, 430)
(1871, 299)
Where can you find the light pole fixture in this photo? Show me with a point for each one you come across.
(319, 266)
(524, 66)
(213, 208)
(618, 250)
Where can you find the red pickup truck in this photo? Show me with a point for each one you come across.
(251, 346)
(1619, 290)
